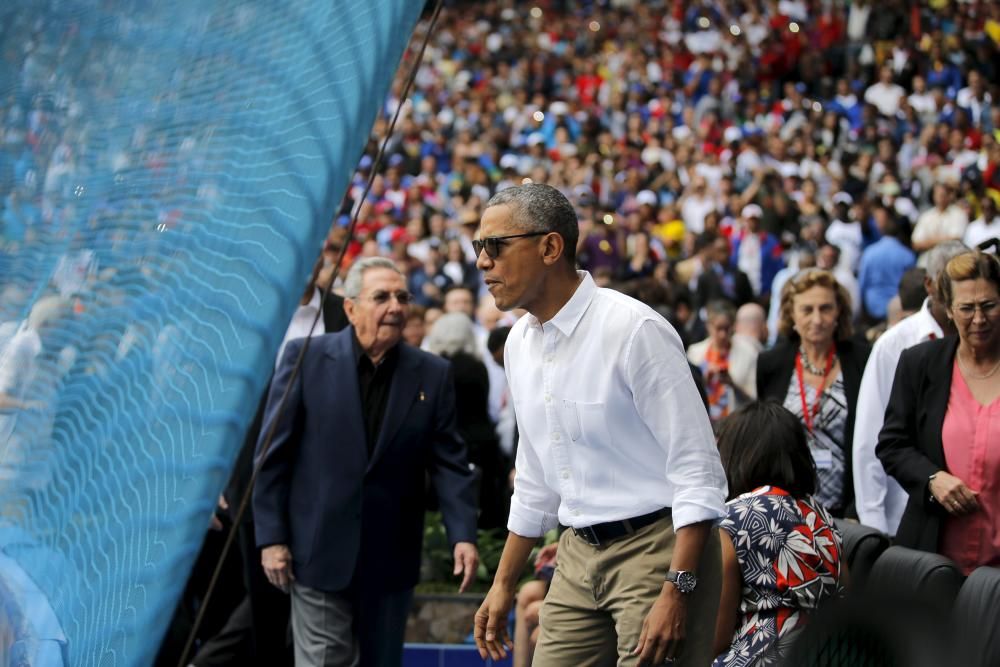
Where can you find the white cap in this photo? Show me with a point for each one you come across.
(650, 155)
(508, 161)
(843, 198)
(732, 134)
(646, 197)
(751, 211)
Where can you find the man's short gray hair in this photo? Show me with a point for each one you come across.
(537, 207)
(452, 333)
(940, 255)
(352, 284)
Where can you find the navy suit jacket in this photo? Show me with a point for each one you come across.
(319, 493)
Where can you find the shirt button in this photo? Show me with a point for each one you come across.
(548, 398)
(556, 437)
(548, 359)
(576, 512)
(565, 474)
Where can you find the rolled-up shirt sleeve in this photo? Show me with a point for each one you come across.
(667, 401)
(534, 508)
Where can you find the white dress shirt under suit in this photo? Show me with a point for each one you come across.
(879, 499)
(611, 425)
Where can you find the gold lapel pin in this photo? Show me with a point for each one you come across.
(423, 396)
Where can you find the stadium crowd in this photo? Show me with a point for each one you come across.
(728, 161)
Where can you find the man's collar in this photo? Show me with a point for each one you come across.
(928, 325)
(569, 316)
(360, 354)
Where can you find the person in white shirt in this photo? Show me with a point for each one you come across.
(885, 95)
(975, 97)
(921, 100)
(943, 222)
(879, 499)
(845, 232)
(615, 443)
(332, 317)
(985, 227)
(830, 259)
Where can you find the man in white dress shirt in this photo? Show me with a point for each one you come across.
(614, 443)
(879, 499)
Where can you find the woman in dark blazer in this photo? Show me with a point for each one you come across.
(815, 372)
(941, 427)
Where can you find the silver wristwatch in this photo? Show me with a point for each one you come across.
(684, 581)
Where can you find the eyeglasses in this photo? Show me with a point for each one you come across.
(492, 244)
(966, 311)
(380, 297)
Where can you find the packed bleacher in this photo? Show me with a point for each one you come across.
(726, 161)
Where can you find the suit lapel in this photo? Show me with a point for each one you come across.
(402, 392)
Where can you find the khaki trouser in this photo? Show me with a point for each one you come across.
(593, 613)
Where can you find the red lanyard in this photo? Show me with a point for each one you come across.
(806, 413)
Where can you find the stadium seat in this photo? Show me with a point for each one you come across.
(977, 618)
(862, 546)
(907, 576)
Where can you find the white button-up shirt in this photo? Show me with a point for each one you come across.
(301, 324)
(880, 500)
(611, 424)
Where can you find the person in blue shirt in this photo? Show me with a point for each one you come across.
(883, 263)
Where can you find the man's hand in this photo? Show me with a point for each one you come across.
(466, 563)
(663, 629)
(277, 563)
(490, 631)
(216, 523)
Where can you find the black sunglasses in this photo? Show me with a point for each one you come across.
(492, 244)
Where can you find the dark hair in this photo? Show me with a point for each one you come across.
(704, 240)
(911, 289)
(720, 307)
(465, 288)
(497, 339)
(539, 207)
(763, 444)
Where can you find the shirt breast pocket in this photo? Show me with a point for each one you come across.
(586, 422)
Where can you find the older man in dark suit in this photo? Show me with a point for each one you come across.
(339, 500)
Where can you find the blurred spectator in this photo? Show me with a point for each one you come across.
(721, 281)
(727, 363)
(414, 329)
(883, 264)
(986, 226)
(944, 222)
(755, 252)
(453, 337)
(828, 258)
(751, 325)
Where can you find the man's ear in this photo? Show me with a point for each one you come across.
(552, 248)
(349, 309)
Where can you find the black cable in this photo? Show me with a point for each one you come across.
(265, 447)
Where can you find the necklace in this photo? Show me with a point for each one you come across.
(808, 365)
(972, 375)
